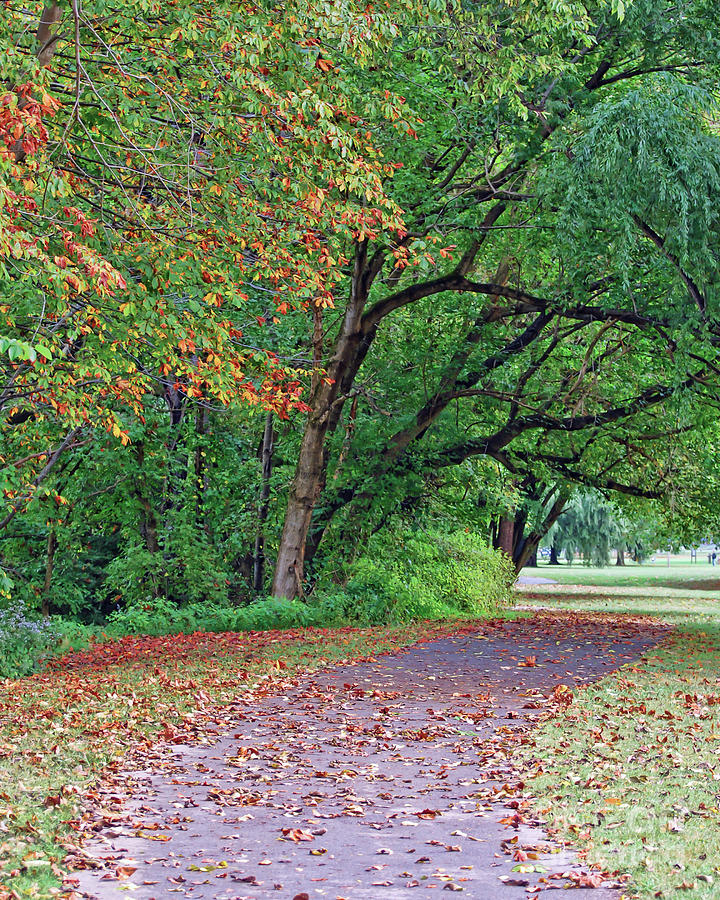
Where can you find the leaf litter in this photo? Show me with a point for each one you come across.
(320, 757)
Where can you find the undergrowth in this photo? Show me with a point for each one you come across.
(403, 577)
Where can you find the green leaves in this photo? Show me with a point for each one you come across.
(21, 351)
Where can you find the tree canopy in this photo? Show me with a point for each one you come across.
(276, 274)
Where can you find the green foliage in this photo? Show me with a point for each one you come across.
(590, 525)
(160, 617)
(431, 574)
(401, 578)
(188, 571)
(24, 642)
(595, 131)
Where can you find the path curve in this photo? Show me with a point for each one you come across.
(382, 779)
(534, 580)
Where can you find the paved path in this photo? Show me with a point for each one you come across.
(383, 779)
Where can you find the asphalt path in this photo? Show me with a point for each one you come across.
(392, 778)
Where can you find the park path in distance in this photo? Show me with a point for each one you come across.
(390, 778)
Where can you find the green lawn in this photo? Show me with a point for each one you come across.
(678, 573)
(630, 772)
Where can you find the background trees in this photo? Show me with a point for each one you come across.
(465, 257)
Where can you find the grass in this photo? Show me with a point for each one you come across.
(657, 574)
(631, 771)
(58, 730)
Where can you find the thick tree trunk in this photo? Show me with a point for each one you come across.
(510, 535)
(318, 528)
(326, 405)
(356, 336)
(49, 566)
(505, 539)
(289, 568)
(620, 561)
(554, 561)
(259, 554)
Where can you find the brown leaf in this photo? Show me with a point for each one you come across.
(297, 835)
(125, 871)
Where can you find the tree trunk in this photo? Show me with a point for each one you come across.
(620, 561)
(505, 539)
(318, 528)
(49, 565)
(325, 406)
(525, 549)
(554, 561)
(148, 525)
(533, 560)
(46, 39)
(201, 420)
(259, 554)
(46, 43)
(148, 521)
(178, 459)
(357, 333)
(289, 567)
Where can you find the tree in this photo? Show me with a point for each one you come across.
(465, 257)
(588, 526)
(577, 179)
(173, 181)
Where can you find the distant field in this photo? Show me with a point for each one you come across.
(674, 592)
(680, 574)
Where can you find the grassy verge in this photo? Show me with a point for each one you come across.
(631, 770)
(58, 730)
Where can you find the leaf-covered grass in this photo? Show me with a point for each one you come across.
(672, 606)
(631, 770)
(59, 729)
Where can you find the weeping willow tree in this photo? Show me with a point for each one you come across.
(590, 526)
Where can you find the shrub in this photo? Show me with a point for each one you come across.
(403, 576)
(24, 642)
(425, 574)
(159, 616)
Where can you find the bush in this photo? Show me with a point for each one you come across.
(424, 575)
(24, 642)
(158, 617)
(403, 576)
